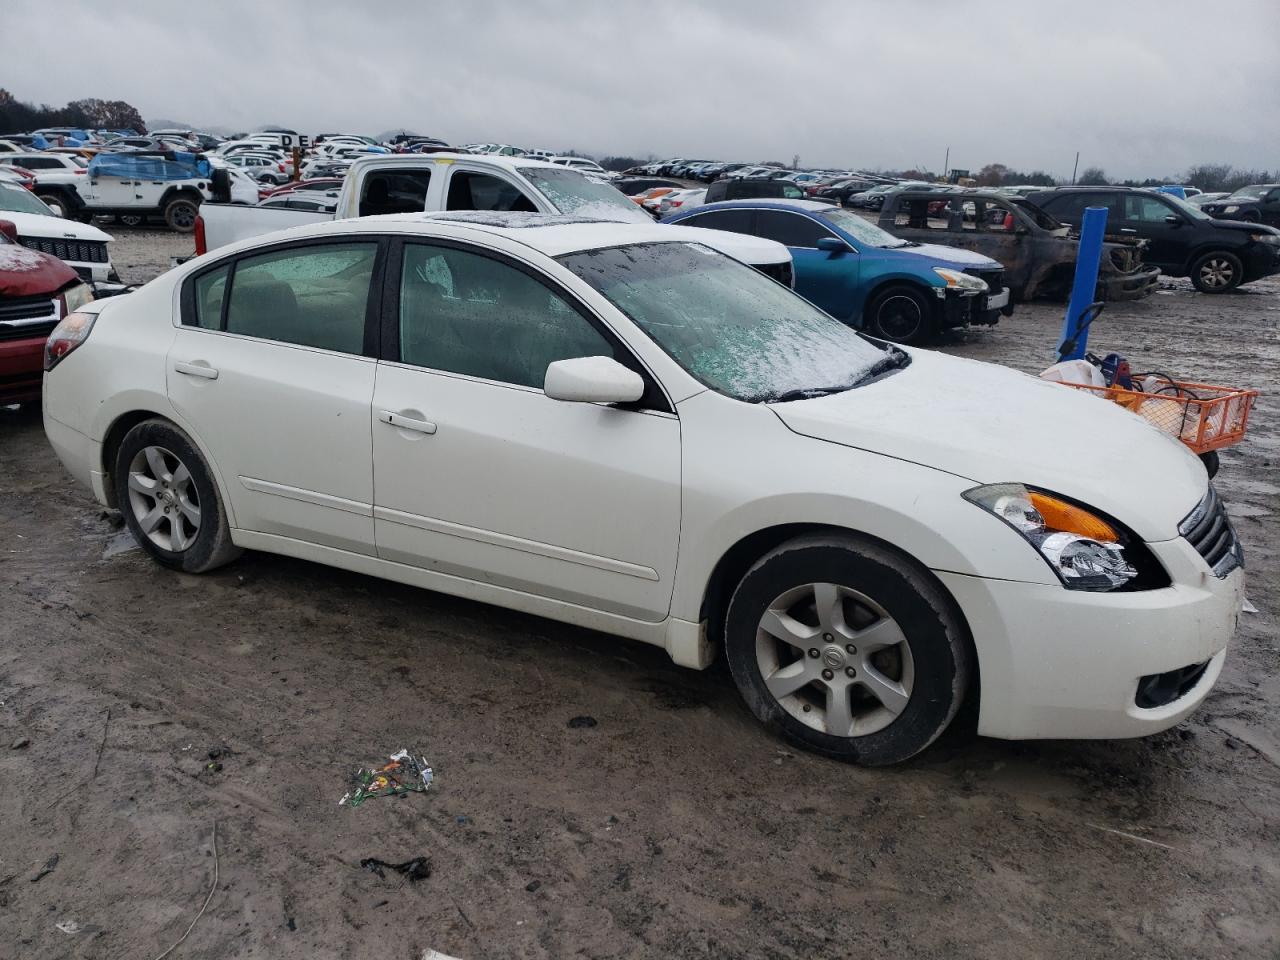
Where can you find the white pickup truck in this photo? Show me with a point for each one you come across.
(455, 181)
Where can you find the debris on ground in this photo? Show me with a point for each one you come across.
(405, 774)
(579, 723)
(419, 868)
(20, 744)
(68, 926)
(46, 869)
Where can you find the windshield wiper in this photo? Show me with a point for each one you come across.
(894, 359)
(803, 393)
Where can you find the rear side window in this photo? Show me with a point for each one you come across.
(480, 191)
(210, 288)
(400, 192)
(735, 221)
(311, 296)
(790, 229)
(464, 313)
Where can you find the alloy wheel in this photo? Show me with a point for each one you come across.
(899, 317)
(1217, 272)
(834, 659)
(164, 499)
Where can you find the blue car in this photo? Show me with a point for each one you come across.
(858, 273)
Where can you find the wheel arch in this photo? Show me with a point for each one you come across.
(888, 281)
(739, 558)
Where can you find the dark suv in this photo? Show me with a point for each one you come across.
(1182, 240)
(1259, 203)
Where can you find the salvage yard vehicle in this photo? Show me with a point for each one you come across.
(58, 176)
(1183, 240)
(36, 292)
(612, 426)
(1259, 203)
(81, 246)
(865, 277)
(1038, 253)
(378, 186)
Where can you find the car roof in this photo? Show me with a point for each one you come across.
(777, 203)
(417, 159)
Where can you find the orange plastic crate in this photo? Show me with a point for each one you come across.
(1203, 416)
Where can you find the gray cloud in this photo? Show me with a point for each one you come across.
(1139, 87)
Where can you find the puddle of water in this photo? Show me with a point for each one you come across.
(121, 542)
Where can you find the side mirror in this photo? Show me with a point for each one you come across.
(9, 229)
(1173, 220)
(592, 380)
(833, 245)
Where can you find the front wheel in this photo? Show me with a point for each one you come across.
(845, 648)
(902, 314)
(1217, 272)
(170, 503)
(180, 214)
(56, 202)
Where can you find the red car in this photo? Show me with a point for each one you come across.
(36, 291)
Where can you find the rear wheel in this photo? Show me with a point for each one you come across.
(1217, 272)
(166, 492)
(846, 648)
(902, 314)
(180, 214)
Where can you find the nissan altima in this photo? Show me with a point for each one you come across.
(615, 426)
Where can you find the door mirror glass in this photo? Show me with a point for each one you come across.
(592, 380)
(832, 245)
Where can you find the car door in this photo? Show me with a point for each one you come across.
(1146, 216)
(479, 475)
(826, 278)
(273, 369)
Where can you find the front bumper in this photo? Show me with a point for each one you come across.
(21, 367)
(1141, 283)
(962, 309)
(1261, 260)
(1057, 663)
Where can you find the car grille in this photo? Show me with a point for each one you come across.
(1209, 530)
(91, 251)
(24, 318)
(994, 278)
(782, 272)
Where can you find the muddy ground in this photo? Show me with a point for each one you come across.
(675, 827)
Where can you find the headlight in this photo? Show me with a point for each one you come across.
(1231, 209)
(961, 281)
(1265, 237)
(73, 298)
(1085, 551)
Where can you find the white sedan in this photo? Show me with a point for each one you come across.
(613, 426)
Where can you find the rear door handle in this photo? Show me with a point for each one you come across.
(197, 369)
(406, 423)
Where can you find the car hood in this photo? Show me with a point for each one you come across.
(26, 273)
(53, 228)
(1243, 226)
(955, 256)
(991, 424)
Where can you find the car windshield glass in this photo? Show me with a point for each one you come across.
(733, 328)
(1190, 209)
(1041, 218)
(20, 200)
(573, 193)
(1250, 193)
(864, 232)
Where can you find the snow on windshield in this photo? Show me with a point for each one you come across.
(733, 328)
(574, 194)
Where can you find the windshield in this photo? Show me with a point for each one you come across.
(20, 200)
(864, 232)
(1041, 218)
(1256, 192)
(572, 193)
(729, 325)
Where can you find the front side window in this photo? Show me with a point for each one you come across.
(311, 296)
(790, 229)
(729, 325)
(482, 191)
(465, 313)
(1144, 209)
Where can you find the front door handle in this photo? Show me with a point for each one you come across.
(406, 423)
(1128, 230)
(197, 369)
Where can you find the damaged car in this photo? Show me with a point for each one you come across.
(1039, 253)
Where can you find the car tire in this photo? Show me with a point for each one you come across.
(1217, 272)
(1211, 463)
(131, 219)
(169, 500)
(900, 313)
(180, 214)
(890, 659)
(57, 203)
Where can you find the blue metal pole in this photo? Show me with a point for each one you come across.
(1092, 230)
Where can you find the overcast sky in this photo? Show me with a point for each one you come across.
(1137, 86)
